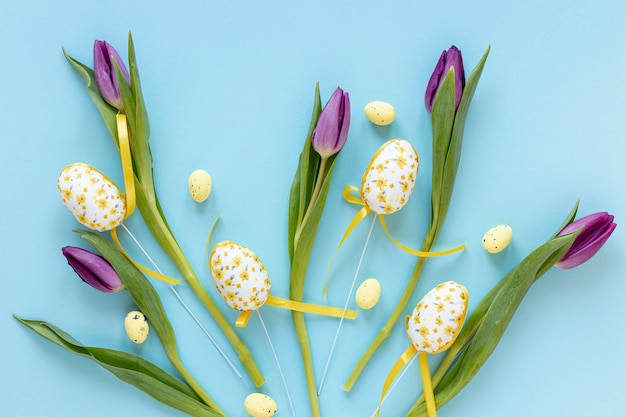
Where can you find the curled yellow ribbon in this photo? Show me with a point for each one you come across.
(349, 195)
(129, 187)
(242, 320)
(143, 269)
(393, 373)
(408, 354)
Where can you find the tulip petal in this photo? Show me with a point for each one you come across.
(596, 230)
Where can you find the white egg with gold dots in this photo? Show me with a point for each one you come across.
(389, 179)
(91, 197)
(239, 276)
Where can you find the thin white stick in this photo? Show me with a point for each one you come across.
(280, 370)
(406, 368)
(193, 316)
(345, 307)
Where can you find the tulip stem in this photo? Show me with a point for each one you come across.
(162, 233)
(184, 304)
(316, 191)
(385, 331)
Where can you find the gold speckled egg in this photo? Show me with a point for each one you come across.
(260, 405)
(390, 177)
(199, 185)
(239, 276)
(368, 293)
(91, 197)
(136, 325)
(497, 238)
(438, 318)
(380, 113)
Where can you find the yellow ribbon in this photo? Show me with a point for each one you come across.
(393, 373)
(127, 163)
(129, 187)
(350, 197)
(140, 267)
(243, 318)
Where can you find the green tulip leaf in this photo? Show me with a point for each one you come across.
(148, 301)
(484, 328)
(131, 369)
(107, 111)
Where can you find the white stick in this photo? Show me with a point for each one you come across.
(345, 307)
(193, 316)
(406, 368)
(280, 370)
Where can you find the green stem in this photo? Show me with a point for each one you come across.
(166, 239)
(307, 360)
(175, 359)
(385, 331)
(314, 195)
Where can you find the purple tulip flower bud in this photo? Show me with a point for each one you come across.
(331, 131)
(449, 59)
(93, 269)
(596, 230)
(104, 72)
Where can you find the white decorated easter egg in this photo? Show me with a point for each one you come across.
(91, 197)
(260, 405)
(380, 113)
(136, 325)
(239, 276)
(497, 238)
(390, 177)
(368, 293)
(200, 185)
(438, 317)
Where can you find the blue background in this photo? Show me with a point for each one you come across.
(229, 88)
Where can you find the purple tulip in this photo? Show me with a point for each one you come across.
(93, 269)
(451, 58)
(596, 230)
(331, 131)
(104, 72)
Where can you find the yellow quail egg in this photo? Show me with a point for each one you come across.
(260, 405)
(368, 293)
(497, 238)
(136, 325)
(380, 113)
(200, 185)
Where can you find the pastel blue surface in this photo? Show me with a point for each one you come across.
(229, 88)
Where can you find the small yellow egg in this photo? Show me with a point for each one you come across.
(136, 325)
(200, 185)
(380, 113)
(368, 293)
(260, 405)
(497, 238)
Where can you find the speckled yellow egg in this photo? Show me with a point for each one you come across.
(200, 185)
(380, 113)
(390, 177)
(260, 405)
(497, 238)
(136, 325)
(368, 293)
(438, 318)
(91, 197)
(239, 276)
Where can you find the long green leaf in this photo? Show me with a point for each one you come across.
(148, 301)
(487, 323)
(107, 111)
(131, 369)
